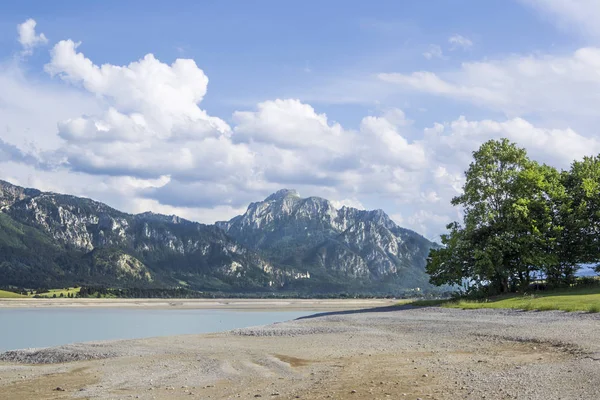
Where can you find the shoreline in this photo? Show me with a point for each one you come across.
(204, 304)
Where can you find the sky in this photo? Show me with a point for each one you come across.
(199, 108)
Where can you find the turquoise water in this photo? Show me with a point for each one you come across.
(24, 328)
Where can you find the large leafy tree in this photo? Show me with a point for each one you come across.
(513, 223)
(493, 213)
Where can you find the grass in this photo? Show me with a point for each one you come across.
(4, 294)
(10, 295)
(587, 300)
(65, 292)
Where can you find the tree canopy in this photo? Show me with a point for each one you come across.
(521, 220)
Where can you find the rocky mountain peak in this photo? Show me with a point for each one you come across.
(282, 194)
(311, 233)
(151, 216)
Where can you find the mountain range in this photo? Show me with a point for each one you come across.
(284, 243)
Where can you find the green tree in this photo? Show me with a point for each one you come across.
(453, 262)
(558, 246)
(493, 213)
(512, 223)
(582, 185)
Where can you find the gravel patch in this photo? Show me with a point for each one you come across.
(291, 329)
(55, 355)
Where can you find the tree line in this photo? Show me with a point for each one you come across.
(184, 293)
(522, 221)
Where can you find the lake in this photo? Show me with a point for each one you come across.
(45, 327)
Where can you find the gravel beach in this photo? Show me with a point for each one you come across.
(381, 353)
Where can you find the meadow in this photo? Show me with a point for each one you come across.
(51, 293)
(575, 299)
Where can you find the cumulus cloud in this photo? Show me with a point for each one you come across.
(164, 97)
(384, 144)
(459, 41)
(28, 38)
(153, 125)
(287, 123)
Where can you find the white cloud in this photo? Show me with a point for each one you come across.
(431, 83)
(153, 125)
(540, 84)
(353, 203)
(557, 147)
(423, 220)
(30, 109)
(28, 38)
(287, 123)
(580, 16)
(434, 51)
(459, 41)
(166, 95)
(385, 144)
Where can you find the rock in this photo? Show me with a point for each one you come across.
(59, 389)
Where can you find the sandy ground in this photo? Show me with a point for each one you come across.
(214, 304)
(386, 353)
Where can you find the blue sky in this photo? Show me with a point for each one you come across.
(371, 104)
(255, 51)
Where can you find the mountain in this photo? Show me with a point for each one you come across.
(49, 239)
(284, 243)
(334, 245)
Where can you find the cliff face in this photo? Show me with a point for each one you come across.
(283, 242)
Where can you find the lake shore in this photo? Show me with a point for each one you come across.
(394, 352)
(214, 304)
